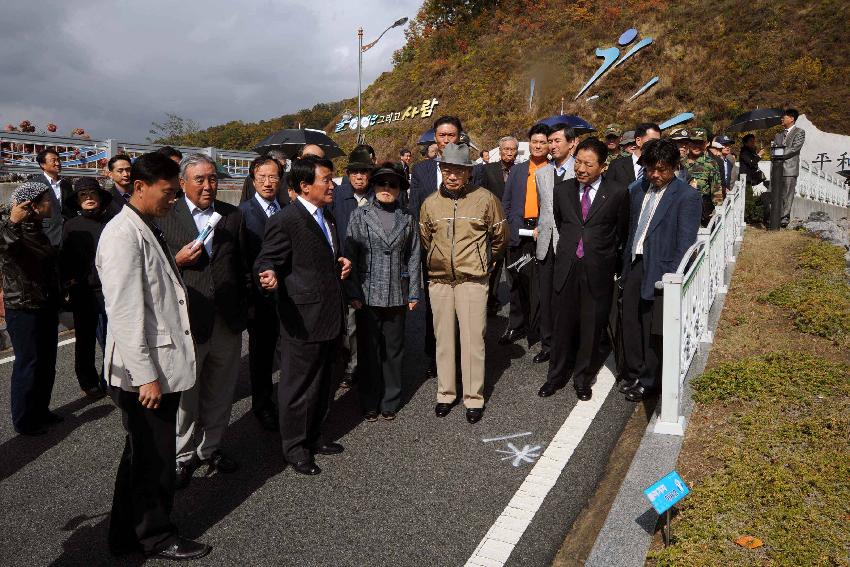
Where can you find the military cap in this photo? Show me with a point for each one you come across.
(680, 134)
(699, 135)
(723, 140)
(627, 138)
(613, 130)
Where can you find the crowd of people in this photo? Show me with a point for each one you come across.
(166, 277)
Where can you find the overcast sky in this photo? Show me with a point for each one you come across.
(114, 67)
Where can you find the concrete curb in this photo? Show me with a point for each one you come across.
(625, 537)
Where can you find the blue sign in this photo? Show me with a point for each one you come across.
(666, 492)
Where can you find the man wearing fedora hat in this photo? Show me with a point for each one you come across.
(464, 235)
(354, 192)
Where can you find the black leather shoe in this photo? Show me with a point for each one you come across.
(222, 463)
(267, 419)
(584, 394)
(346, 382)
(329, 449)
(94, 392)
(474, 415)
(33, 431)
(371, 415)
(639, 393)
(511, 335)
(442, 410)
(542, 356)
(184, 471)
(548, 388)
(388, 415)
(51, 418)
(431, 372)
(182, 550)
(626, 385)
(308, 467)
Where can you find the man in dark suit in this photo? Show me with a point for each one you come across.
(592, 215)
(520, 201)
(664, 220)
(300, 259)
(624, 170)
(118, 170)
(217, 281)
(60, 193)
(493, 177)
(263, 329)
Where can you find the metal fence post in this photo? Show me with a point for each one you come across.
(671, 421)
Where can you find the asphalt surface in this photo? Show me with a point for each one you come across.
(418, 491)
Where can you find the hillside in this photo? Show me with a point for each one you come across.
(715, 59)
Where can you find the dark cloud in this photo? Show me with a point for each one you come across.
(113, 68)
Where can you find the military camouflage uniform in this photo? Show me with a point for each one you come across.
(705, 176)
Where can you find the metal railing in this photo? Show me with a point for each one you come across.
(82, 157)
(689, 294)
(816, 184)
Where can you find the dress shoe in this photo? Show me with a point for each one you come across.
(308, 467)
(639, 393)
(51, 418)
(329, 449)
(182, 550)
(511, 335)
(268, 419)
(548, 388)
(32, 431)
(94, 392)
(584, 394)
(222, 463)
(442, 410)
(431, 372)
(371, 415)
(346, 382)
(474, 415)
(184, 471)
(626, 385)
(541, 357)
(388, 415)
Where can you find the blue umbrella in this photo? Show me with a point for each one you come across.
(427, 138)
(580, 125)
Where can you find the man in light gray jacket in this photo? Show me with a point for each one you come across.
(792, 138)
(149, 360)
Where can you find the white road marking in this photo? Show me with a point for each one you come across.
(499, 542)
(514, 436)
(60, 343)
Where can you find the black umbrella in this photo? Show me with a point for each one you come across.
(579, 125)
(759, 119)
(291, 140)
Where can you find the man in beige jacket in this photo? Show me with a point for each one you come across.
(464, 234)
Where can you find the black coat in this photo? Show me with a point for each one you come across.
(621, 171)
(310, 298)
(492, 178)
(29, 267)
(604, 233)
(116, 204)
(60, 211)
(218, 285)
(80, 236)
(749, 161)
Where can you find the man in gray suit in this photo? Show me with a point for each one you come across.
(792, 138)
(562, 142)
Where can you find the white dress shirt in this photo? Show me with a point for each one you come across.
(311, 208)
(637, 167)
(594, 187)
(265, 204)
(202, 218)
(54, 184)
(642, 237)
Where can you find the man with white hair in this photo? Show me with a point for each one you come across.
(218, 282)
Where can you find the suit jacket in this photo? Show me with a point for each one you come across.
(116, 204)
(60, 210)
(546, 230)
(422, 184)
(344, 204)
(513, 200)
(793, 144)
(672, 230)
(386, 268)
(603, 233)
(491, 178)
(255, 220)
(217, 285)
(309, 293)
(621, 170)
(148, 336)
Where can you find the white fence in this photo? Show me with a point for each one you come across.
(817, 185)
(82, 157)
(688, 296)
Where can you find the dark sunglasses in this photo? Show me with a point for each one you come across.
(387, 183)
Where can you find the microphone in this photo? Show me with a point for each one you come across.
(207, 231)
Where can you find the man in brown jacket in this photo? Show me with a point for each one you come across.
(464, 234)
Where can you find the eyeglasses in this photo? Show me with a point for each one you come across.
(264, 178)
(391, 184)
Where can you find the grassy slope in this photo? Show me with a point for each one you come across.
(714, 58)
(767, 452)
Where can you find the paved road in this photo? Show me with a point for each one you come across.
(419, 491)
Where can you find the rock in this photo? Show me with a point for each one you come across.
(818, 216)
(834, 232)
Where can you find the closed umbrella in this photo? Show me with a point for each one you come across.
(759, 119)
(291, 140)
(580, 125)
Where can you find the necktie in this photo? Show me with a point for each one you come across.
(640, 173)
(645, 215)
(585, 208)
(272, 208)
(126, 196)
(321, 220)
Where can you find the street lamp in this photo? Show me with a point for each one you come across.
(360, 51)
